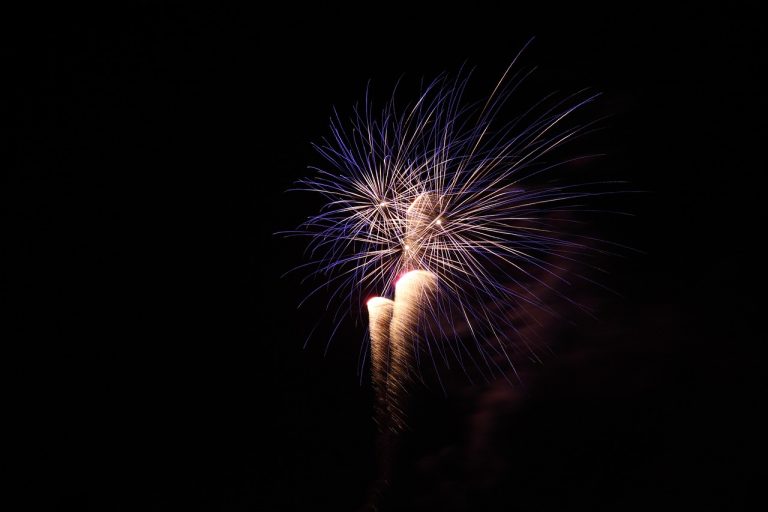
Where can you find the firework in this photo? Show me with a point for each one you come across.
(440, 186)
(456, 216)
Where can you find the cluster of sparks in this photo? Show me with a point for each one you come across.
(440, 187)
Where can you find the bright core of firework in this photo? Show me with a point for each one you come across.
(439, 185)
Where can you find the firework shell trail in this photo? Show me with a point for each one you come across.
(415, 292)
(380, 311)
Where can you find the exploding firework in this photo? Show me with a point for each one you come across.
(441, 187)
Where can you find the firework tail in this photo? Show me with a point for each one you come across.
(394, 331)
(380, 311)
(379, 317)
(413, 294)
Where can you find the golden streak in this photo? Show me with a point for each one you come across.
(379, 318)
(414, 294)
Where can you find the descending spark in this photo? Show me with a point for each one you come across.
(379, 318)
(414, 295)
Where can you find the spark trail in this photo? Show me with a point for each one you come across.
(414, 296)
(379, 318)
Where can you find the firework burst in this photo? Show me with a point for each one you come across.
(440, 186)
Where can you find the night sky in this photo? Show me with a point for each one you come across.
(150, 152)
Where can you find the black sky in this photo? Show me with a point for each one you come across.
(150, 149)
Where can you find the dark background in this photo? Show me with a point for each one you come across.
(150, 147)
